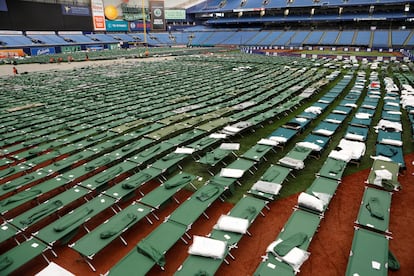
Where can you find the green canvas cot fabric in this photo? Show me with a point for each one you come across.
(336, 168)
(137, 182)
(97, 163)
(68, 160)
(270, 175)
(300, 149)
(150, 151)
(125, 221)
(178, 182)
(75, 218)
(375, 208)
(388, 152)
(294, 240)
(49, 208)
(20, 196)
(389, 185)
(109, 175)
(393, 263)
(209, 193)
(249, 213)
(5, 262)
(201, 273)
(21, 181)
(261, 148)
(151, 252)
(4, 173)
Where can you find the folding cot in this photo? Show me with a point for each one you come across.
(390, 153)
(369, 104)
(374, 212)
(29, 194)
(167, 190)
(62, 228)
(236, 128)
(130, 148)
(316, 142)
(282, 135)
(212, 158)
(229, 229)
(369, 254)
(323, 189)
(333, 168)
(61, 165)
(310, 113)
(151, 153)
(89, 168)
(190, 210)
(8, 231)
(25, 180)
(388, 126)
(101, 179)
(237, 168)
(348, 103)
(384, 174)
(112, 144)
(339, 109)
(48, 207)
(325, 128)
(297, 234)
(21, 255)
(186, 137)
(150, 250)
(13, 172)
(391, 115)
(356, 133)
(203, 143)
(169, 161)
(392, 138)
(349, 151)
(270, 182)
(295, 157)
(297, 123)
(391, 105)
(100, 237)
(335, 118)
(129, 185)
(258, 151)
(214, 124)
(147, 129)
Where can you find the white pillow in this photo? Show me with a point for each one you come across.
(267, 187)
(311, 202)
(232, 224)
(324, 132)
(207, 247)
(392, 142)
(296, 257)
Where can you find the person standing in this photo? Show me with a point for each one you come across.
(15, 72)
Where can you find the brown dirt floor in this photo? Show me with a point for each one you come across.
(329, 249)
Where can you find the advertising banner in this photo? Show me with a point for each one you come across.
(98, 15)
(116, 25)
(157, 15)
(175, 14)
(75, 10)
(138, 26)
(70, 49)
(39, 51)
(11, 53)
